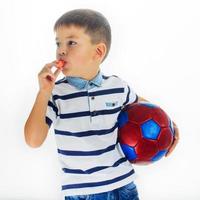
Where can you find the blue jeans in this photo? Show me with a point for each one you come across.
(127, 192)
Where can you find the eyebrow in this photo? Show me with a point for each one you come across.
(71, 36)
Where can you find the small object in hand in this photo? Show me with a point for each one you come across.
(60, 64)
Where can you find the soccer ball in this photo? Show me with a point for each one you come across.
(145, 132)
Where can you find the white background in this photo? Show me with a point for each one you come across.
(155, 47)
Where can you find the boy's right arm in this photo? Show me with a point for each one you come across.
(36, 128)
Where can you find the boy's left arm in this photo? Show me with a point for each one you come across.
(176, 135)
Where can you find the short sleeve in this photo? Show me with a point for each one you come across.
(129, 94)
(52, 112)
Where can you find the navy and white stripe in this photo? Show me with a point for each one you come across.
(84, 116)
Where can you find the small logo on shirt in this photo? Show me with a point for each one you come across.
(111, 104)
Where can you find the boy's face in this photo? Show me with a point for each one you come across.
(75, 47)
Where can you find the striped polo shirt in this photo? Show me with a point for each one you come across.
(84, 117)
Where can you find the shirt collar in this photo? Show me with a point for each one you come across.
(81, 83)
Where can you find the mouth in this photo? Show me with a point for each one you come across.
(61, 64)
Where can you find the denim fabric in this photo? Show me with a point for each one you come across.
(127, 192)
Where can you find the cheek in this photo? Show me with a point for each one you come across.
(82, 57)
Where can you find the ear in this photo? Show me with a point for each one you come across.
(100, 51)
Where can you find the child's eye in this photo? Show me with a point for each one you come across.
(57, 44)
(71, 43)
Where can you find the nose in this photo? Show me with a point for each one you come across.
(62, 51)
(61, 54)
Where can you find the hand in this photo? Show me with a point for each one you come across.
(176, 139)
(47, 78)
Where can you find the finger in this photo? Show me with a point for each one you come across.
(169, 152)
(50, 65)
(175, 129)
(176, 136)
(172, 147)
(48, 75)
(174, 123)
(49, 78)
(47, 68)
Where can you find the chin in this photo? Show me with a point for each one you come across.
(68, 73)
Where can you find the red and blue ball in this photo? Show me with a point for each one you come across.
(145, 132)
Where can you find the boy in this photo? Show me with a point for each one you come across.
(83, 108)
